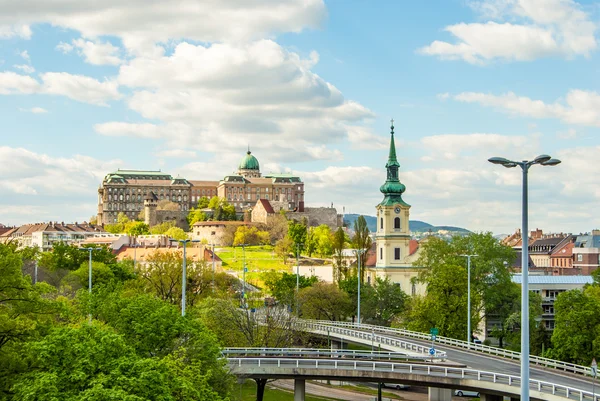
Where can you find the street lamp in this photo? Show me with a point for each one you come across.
(243, 273)
(184, 272)
(543, 160)
(213, 267)
(469, 298)
(90, 250)
(358, 253)
(298, 277)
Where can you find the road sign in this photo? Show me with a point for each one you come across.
(245, 270)
(594, 367)
(431, 351)
(433, 331)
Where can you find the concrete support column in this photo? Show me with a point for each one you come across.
(440, 394)
(299, 389)
(490, 397)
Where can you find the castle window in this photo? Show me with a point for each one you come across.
(396, 253)
(109, 189)
(397, 223)
(139, 198)
(179, 198)
(121, 197)
(380, 253)
(127, 197)
(109, 197)
(381, 223)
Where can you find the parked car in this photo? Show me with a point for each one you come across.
(397, 386)
(466, 393)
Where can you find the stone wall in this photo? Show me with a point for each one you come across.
(316, 216)
(178, 216)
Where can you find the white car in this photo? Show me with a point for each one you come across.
(466, 393)
(397, 386)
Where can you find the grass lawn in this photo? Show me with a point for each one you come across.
(259, 259)
(248, 393)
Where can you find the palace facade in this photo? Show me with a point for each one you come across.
(126, 190)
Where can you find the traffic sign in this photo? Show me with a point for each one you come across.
(245, 270)
(431, 351)
(594, 367)
(433, 331)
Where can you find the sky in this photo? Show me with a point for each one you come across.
(89, 87)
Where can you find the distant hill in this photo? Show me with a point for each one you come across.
(414, 225)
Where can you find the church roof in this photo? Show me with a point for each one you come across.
(249, 162)
(392, 189)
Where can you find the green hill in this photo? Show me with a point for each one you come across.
(414, 225)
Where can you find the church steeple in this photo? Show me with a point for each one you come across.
(393, 188)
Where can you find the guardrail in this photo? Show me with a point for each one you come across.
(412, 369)
(533, 359)
(320, 353)
(374, 338)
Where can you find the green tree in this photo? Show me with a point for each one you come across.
(137, 228)
(196, 215)
(250, 235)
(445, 275)
(277, 226)
(203, 202)
(340, 269)
(222, 210)
(162, 227)
(176, 233)
(362, 240)
(387, 302)
(283, 286)
(283, 247)
(297, 232)
(576, 336)
(323, 301)
(350, 287)
(322, 239)
(70, 257)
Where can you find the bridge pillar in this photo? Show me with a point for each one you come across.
(299, 389)
(490, 397)
(440, 394)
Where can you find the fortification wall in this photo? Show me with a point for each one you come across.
(316, 216)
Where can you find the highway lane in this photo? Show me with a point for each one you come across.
(480, 361)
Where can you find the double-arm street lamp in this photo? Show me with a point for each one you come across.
(90, 250)
(469, 336)
(184, 272)
(543, 160)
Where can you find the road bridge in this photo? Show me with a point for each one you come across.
(439, 378)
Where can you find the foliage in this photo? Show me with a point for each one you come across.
(222, 210)
(137, 228)
(283, 247)
(203, 202)
(166, 204)
(196, 215)
(127, 226)
(362, 240)
(102, 274)
(324, 301)
(162, 227)
(283, 286)
(350, 287)
(576, 336)
(445, 275)
(176, 233)
(277, 227)
(297, 233)
(250, 235)
(162, 276)
(320, 241)
(387, 301)
(340, 270)
(70, 257)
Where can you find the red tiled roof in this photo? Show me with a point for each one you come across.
(266, 205)
(413, 245)
(208, 255)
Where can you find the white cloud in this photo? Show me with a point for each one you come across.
(25, 55)
(64, 47)
(98, 53)
(142, 130)
(545, 28)
(579, 107)
(140, 24)
(568, 134)
(177, 153)
(8, 31)
(363, 138)
(35, 110)
(77, 87)
(27, 69)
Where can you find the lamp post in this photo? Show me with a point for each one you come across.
(243, 274)
(358, 253)
(184, 271)
(213, 267)
(298, 277)
(469, 336)
(90, 250)
(543, 160)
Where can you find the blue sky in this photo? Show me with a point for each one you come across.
(87, 88)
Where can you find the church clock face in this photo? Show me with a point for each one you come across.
(397, 210)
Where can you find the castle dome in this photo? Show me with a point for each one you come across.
(249, 162)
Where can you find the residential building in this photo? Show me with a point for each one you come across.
(586, 252)
(541, 249)
(45, 235)
(561, 258)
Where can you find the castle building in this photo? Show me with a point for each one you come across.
(125, 191)
(394, 253)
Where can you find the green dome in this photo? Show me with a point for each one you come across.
(249, 162)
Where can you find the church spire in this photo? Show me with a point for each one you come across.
(392, 189)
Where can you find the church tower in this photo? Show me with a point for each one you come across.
(393, 235)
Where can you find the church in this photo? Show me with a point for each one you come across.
(395, 252)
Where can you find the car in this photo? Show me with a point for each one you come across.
(397, 386)
(466, 393)
(477, 341)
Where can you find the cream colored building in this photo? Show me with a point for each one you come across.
(394, 258)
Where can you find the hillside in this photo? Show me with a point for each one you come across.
(415, 226)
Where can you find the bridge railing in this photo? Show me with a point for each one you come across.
(412, 369)
(320, 353)
(533, 359)
(367, 336)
